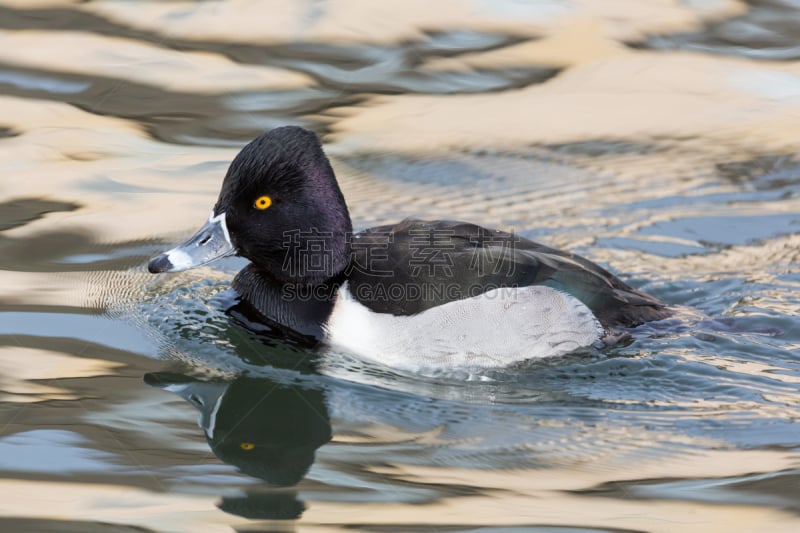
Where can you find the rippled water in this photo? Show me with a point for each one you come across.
(656, 138)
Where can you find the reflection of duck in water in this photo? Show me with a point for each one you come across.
(267, 430)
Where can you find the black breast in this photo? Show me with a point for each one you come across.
(298, 311)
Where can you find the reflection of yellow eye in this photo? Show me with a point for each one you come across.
(247, 446)
(263, 202)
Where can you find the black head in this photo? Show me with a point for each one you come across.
(280, 207)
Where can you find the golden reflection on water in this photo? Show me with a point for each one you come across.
(552, 497)
(79, 502)
(89, 54)
(103, 164)
(362, 21)
(24, 383)
(637, 95)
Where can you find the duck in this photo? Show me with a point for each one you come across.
(416, 294)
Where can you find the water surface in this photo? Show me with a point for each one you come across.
(658, 139)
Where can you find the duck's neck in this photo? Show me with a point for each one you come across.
(301, 308)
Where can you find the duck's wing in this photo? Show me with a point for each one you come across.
(415, 265)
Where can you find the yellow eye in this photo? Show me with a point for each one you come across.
(247, 446)
(262, 202)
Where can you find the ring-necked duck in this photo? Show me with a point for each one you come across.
(418, 293)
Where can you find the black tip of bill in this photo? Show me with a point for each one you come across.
(159, 264)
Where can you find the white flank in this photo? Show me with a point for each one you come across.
(494, 329)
